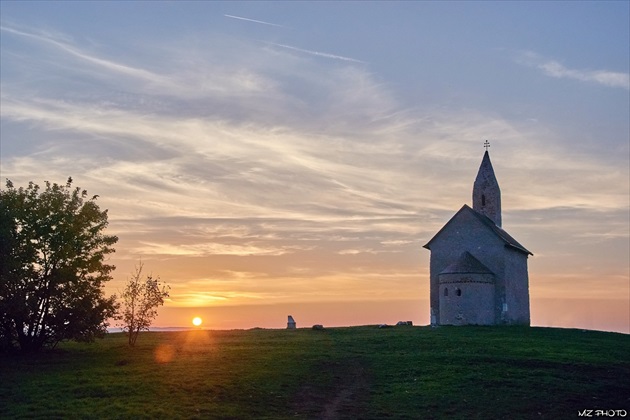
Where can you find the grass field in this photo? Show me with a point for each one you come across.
(357, 372)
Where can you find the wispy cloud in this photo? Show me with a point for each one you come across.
(253, 20)
(318, 53)
(205, 249)
(556, 69)
(147, 86)
(258, 160)
(69, 49)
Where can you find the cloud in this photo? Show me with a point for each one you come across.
(185, 77)
(253, 20)
(205, 249)
(311, 177)
(555, 69)
(252, 170)
(70, 50)
(318, 53)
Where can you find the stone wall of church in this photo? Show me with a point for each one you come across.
(465, 233)
(467, 299)
(516, 289)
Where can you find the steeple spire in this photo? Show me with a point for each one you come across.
(486, 193)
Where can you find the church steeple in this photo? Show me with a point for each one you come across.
(486, 193)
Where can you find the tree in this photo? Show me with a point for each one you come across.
(52, 269)
(141, 298)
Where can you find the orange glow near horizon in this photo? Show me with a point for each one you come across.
(596, 314)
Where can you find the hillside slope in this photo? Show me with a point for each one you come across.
(355, 372)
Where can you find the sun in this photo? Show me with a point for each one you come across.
(197, 321)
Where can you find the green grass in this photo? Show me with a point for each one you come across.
(358, 372)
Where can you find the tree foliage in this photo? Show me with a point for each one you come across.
(141, 298)
(52, 266)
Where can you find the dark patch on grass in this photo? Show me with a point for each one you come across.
(336, 388)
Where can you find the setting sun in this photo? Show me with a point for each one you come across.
(197, 321)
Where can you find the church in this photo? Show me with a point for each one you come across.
(478, 272)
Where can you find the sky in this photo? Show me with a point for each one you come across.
(276, 158)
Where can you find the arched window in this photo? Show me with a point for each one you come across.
(446, 291)
(458, 292)
(483, 199)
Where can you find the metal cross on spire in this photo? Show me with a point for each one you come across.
(486, 144)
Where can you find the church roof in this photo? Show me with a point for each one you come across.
(486, 171)
(466, 263)
(503, 235)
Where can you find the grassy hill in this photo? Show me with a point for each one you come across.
(357, 372)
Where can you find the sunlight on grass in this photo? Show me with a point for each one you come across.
(195, 341)
(164, 353)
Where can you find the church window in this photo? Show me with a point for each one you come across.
(446, 291)
(483, 199)
(458, 292)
